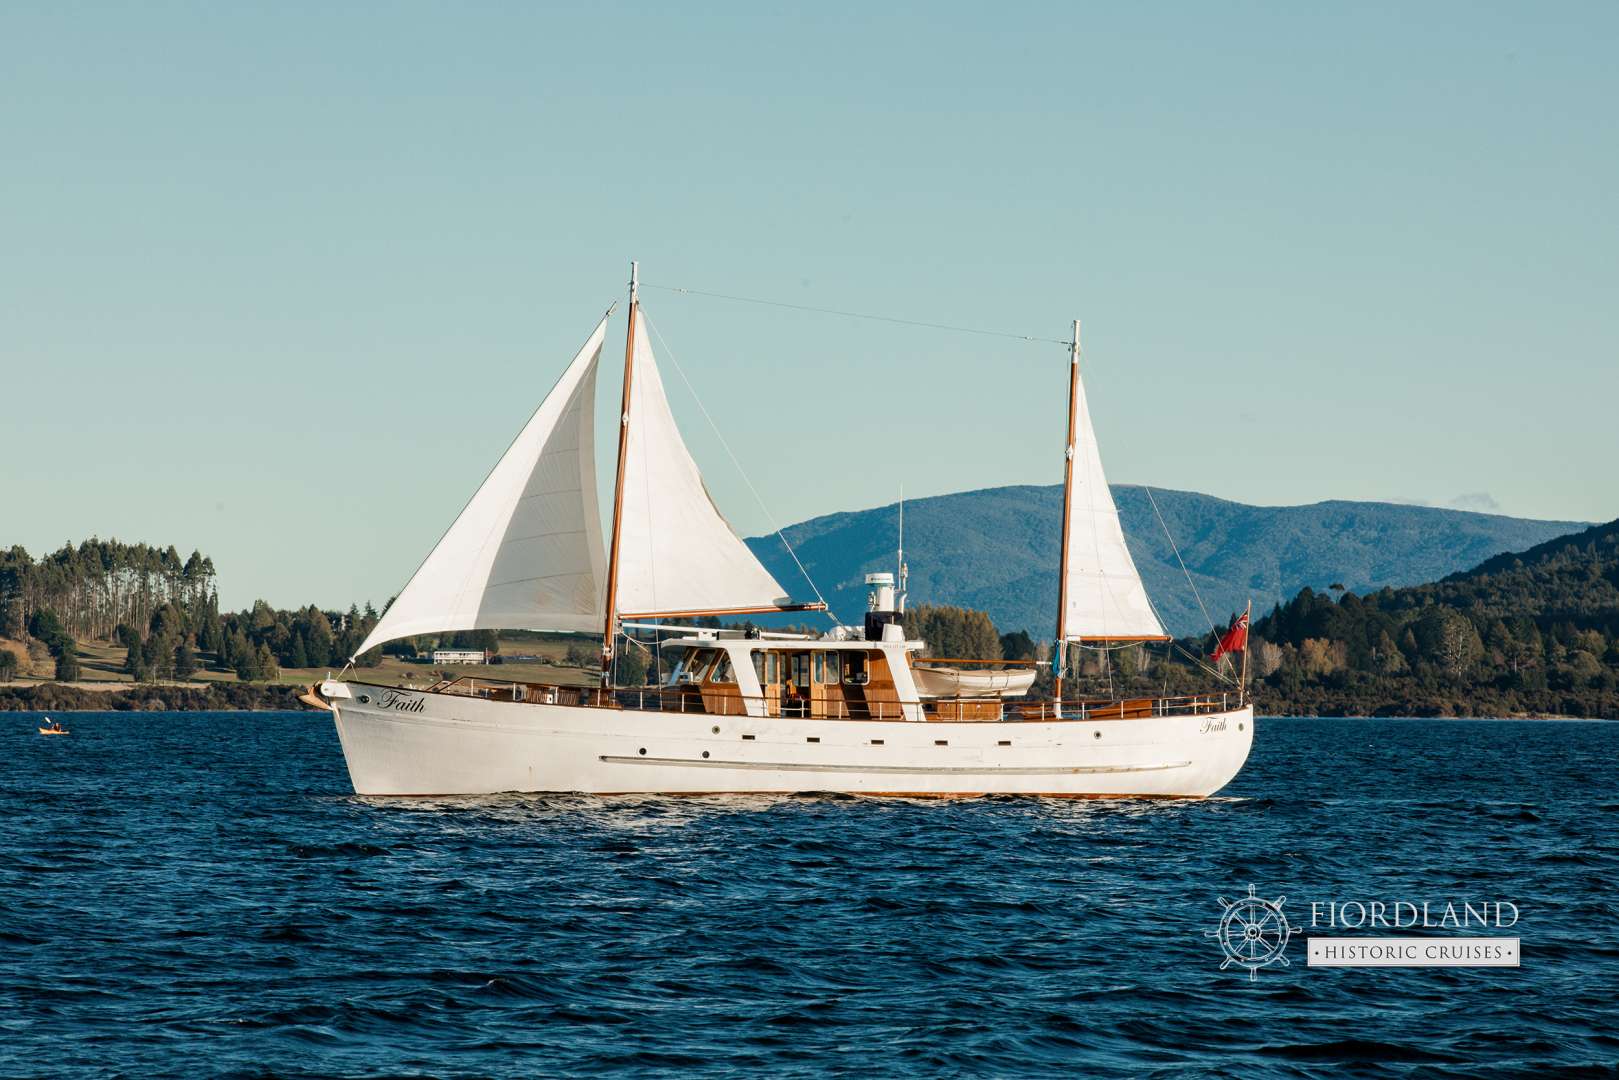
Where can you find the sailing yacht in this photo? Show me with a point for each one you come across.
(857, 709)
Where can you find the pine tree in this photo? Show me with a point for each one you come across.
(1390, 661)
(10, 616)
(242, 657)
(954, 632)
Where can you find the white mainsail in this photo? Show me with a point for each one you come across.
(1105, 597)
(677, 553)
(526, 552)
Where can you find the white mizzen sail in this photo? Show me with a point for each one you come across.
(676, 552)
(1105, 597)
(526, 552)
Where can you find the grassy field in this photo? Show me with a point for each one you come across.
(101, 668)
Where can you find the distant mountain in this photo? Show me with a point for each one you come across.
(997, 550)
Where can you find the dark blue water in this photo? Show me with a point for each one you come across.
(199, 895)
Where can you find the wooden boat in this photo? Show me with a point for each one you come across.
(939, 679)
(857, 709)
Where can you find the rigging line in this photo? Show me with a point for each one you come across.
(1173, 547)
(670, 353)
(861, 315)
(1086, 646)
(1222, 676)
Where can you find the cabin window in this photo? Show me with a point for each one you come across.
(764, 665)
(722, 670)
(854, 668)
(801, 670)
(692, 666)
(820, 667)
(699, 664)
(831, 667)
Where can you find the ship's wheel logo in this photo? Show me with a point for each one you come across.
(1253, 932)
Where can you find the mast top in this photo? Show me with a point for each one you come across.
(635, 281)
(1074, 354)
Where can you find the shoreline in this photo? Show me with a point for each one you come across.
(176, 697)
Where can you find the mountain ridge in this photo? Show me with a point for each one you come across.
(996, 549)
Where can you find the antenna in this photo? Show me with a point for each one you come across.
(902, 571)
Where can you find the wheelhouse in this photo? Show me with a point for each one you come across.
(817, 679)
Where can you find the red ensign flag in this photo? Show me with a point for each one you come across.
(1235, 639)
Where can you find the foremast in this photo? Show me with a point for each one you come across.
(644, 420)
(610, 629)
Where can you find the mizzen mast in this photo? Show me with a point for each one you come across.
(1059, 659)
(610, 630)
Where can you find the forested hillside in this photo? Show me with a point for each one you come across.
(101, 584)
(1534, 632)
(163, 610)
(997, 549)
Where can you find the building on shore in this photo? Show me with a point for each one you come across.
(460, 656)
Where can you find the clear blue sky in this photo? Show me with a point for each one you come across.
(280, 281)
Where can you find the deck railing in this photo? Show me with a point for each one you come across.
(690, 699)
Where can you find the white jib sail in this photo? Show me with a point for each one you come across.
(676, 552)
(1104, 591)
(526, 552)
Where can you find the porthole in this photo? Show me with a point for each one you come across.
(1239, 725)
(1096, 734)
(705, 753)
(716, 729)
(643, 751)
(365, 699)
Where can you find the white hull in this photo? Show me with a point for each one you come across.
(400, 742)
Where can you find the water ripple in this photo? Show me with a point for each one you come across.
(190, 889)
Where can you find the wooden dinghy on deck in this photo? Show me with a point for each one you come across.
(944, 679)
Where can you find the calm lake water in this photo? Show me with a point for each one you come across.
(201, 895)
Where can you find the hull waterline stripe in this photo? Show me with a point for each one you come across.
(981, 770)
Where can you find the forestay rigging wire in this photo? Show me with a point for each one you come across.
(670, 353)
(860, 315)
(901, 322)
(1176, 549)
